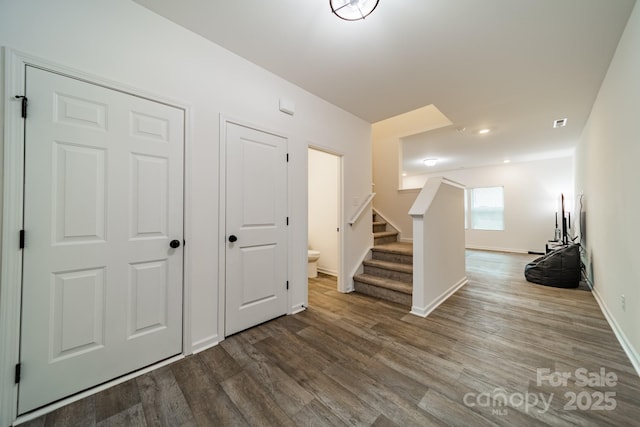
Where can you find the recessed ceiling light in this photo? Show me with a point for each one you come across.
(404, 174)
(430, 162)
(560, 123)
(507, 161)
(484, 131)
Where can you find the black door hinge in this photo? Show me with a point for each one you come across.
(287, 157)
(287, 285)
(21, 239)
(287, 220)
(18, 368)
(25, 101)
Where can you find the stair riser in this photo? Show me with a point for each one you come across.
(378, 228)
(381, 280)
(389, 274)
(383, 240)
(385, 256)
(386, 294)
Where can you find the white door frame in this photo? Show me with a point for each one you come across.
(342, 285)
(15, 64)
(222, 215)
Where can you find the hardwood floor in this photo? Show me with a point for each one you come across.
(356, 360)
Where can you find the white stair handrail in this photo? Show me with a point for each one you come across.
(361, 209)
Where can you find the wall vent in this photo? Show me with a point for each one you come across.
(560, 123)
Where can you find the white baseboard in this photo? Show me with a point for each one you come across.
(422, 312)
(494, 249)
(329, 272)
(425, 311)
(297, 308)
(389, 223)
(631, 352)
(205, 343)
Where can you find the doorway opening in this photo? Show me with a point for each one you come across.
(325, 216)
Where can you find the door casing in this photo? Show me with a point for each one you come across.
(15, 64)
(261, 232)
(342, 283)
(222, 215)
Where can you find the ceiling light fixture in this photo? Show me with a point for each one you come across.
(352, 10)
(507, 161)
(484, 131)
(430, 162)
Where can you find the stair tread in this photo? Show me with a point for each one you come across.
(381, 282)
(379, 223)
(385, 234)
(400, 248)
(388, 265)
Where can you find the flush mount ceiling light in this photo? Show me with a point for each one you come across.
(352, 10)
(430, 162)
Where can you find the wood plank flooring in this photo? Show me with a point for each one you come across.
(356, 360)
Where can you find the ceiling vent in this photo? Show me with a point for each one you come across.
(560, 123)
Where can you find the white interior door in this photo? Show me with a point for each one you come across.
(256, 220)
(102, 288)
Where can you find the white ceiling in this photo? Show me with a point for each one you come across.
(510, 65)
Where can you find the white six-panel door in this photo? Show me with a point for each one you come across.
(256, 215)
(102, 288)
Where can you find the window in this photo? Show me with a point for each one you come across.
(485, 208)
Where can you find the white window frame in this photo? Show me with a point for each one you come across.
(468, 209)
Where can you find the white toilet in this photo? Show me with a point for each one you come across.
(312, 263)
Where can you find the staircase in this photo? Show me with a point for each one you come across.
(389, 273)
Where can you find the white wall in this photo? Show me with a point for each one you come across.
(323, 208)
(121, 41)
(607, 173)
(531, 192)
(392, 203)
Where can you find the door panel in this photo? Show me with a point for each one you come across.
(256, 264)
(78, 312)
(102, 289)
(259, 275)
(149, 197)
(148, 298)
(78, 193)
